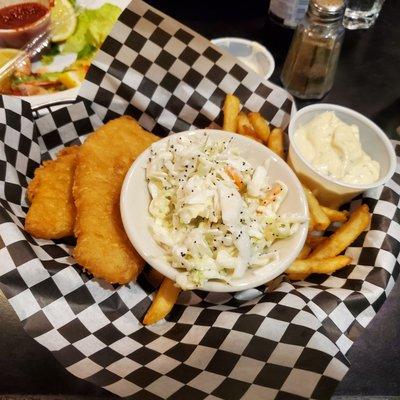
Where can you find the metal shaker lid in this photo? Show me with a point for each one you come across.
(331, 10)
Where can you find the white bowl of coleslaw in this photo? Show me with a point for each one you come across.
(213, 210)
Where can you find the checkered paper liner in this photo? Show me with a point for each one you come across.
(287, 341)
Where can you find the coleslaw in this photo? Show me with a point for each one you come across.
(213, 213)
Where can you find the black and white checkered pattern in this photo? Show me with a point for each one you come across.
(285, 342)
(170, 78)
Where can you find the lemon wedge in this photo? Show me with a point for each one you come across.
(23, 64)
(70, 79)
(63, 20)
(8, 54)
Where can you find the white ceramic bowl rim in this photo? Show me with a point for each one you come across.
(251, 43)
(378, 131)
(167, 270)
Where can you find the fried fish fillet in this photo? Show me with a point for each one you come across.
(52, 211)
(103, 161)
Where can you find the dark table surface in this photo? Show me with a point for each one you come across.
(367, 80)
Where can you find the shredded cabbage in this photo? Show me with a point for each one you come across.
(213, 213)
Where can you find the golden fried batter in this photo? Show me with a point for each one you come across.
(103, 161)
(52, 211)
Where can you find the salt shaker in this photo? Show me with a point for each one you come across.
(287, 13)
(310, 65)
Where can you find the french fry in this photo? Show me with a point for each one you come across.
(345, 235)
(299, 267)
(335, 215)
(311, 224)
(318, 266)
(294, 276)
(249, 131)
(163, 302)
(320, 219)
(275, 142)
(260, 125)
(242, 121)
(305, 251)
(231, 110)
(245, 128)
(329, 265)
(314, 241)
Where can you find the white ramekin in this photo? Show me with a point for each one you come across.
(331, 192)
(252, 53)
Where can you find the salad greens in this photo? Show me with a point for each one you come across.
(48, 58)
(92, 28)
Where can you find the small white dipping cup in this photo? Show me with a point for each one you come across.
(251, 53)
(332, 192)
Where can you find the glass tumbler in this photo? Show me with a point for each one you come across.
(361, 14)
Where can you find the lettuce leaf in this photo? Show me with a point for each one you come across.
(87, 51)
(48, 57)
(92, 28)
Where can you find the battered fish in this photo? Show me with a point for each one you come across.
(103, 161)
(52, 211)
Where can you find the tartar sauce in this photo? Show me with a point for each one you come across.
(334, 149)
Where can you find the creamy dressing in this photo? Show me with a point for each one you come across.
(334, 149)
(212, 212)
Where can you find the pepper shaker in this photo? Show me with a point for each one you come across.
(310, 65)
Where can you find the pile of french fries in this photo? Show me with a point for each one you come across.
(320, 254)
(252, 125)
